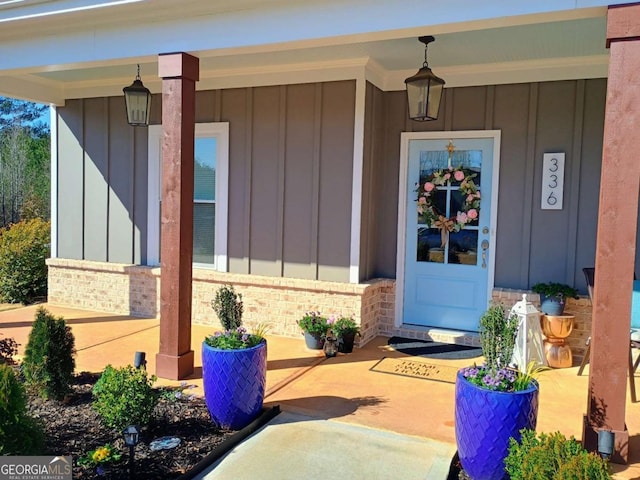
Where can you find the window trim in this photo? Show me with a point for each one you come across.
(219, 130)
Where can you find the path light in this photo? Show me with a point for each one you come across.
(137, 99)
(139, 360)
(605, 443)
(424, 90)
(131, 436)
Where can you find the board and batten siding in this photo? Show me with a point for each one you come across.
(102, 183)
(533, 245)
(290, 178)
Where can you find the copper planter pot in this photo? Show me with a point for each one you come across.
(556, 326)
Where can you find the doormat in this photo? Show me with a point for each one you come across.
(416, 369)
(424, 349)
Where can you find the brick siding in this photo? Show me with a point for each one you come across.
(279, 302)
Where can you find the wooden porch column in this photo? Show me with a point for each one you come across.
(179, 73)
(617, 224)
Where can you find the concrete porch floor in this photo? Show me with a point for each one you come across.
(341, 389)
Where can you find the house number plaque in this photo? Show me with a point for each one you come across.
(552, 181)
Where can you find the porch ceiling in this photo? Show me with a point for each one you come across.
(551, 46)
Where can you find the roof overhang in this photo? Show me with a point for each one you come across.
(59, 49)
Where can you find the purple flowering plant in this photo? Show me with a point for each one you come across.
(314, 323)
(498, 331)
(234, 339)
(501, 380)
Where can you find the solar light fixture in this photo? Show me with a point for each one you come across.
(606, 439)
(139, 360)
(137, 99)
(131, 436)
(424, 90)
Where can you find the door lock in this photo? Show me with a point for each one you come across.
(485, 246)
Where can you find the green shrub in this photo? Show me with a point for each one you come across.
(228, 306)
(8, 348)
(48, 359)
(498, 331)
(552, 457)
(124, 396)
(19, 433)
(24, 247)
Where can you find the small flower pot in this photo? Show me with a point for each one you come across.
(314, 341)
(345, 342)
(553, 305)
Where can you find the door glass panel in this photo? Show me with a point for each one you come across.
(463, 246)
(430, 245)
(448, 206)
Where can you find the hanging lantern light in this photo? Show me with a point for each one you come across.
(137, 99)
(424, 90)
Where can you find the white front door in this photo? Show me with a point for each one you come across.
(448, 210)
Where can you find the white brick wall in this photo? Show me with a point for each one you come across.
(280, 302)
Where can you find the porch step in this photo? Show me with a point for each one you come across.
(457, 337)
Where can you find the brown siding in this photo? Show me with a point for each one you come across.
(70, 181)
(121, 191)
(336, 180)
(290, 178)
(375, 165)
(532, 244)
(302, 163)
(102, 183)
(96, 178)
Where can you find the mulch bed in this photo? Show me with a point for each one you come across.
(73, 428)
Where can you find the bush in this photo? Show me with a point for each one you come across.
(8, 348)
(24, 247)
(124, 396)
(19, 433)
(48, 359)
(498, 332)
(228, 306)
(552, 457)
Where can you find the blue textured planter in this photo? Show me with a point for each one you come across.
(234, 382)
(485, 420)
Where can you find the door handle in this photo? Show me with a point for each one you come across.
(485, 247)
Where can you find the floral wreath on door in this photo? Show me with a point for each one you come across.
(451, 176)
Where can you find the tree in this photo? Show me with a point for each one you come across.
(20, 112)
(24, 161)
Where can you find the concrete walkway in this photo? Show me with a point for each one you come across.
(294, 447)
(341, 394)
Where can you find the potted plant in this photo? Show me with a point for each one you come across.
(314, 328)
(346, 329)
(553, 296)
(234, 365)
(492, 401)
(553, 456)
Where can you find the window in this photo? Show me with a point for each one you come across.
(210, 195)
